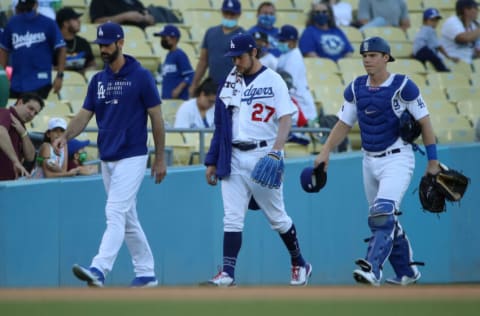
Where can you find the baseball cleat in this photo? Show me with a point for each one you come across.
(222, 279)
(144, 282)
(365, 277)
(300, 275)
(404, 280)
(92, 275)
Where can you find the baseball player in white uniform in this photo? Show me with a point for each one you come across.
(253, 116)
(376, 101)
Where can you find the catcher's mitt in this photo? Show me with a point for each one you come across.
(451, 183)
(268, 171)
(448, 184)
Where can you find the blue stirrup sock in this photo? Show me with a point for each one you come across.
(232, 242)
(290, 240)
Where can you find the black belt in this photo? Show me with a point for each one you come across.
(244, 146)
(389, 152)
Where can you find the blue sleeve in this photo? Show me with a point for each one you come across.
(150, 95)
(410, 91)
(348, 93)
(307, 42)
(185, 67)
(5, 40)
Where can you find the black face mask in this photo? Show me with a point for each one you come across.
(165, 44)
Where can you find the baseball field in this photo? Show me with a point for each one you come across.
(438, 300)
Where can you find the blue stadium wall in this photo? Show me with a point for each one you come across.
(47, 226)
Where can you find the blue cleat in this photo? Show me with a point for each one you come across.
(144, 282)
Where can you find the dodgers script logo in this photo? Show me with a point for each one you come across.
(253, 93)
(28, 39)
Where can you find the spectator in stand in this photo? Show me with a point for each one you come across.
(291, 61)
(426, 46)
(265, 24)
(16, 148)
(126, 12)
(461, 33)
(216, 44)
(31, 39)
(377, 13)
(266, 58)
(322, 37)
(79, 52)
(198, 112)
(45, 7)
(177, 72)
(342, 11)
(53, 162)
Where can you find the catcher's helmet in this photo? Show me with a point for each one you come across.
(376, 44)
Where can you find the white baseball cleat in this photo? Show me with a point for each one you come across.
(365, 277)
(222, 279)
(404, 280)
(300, 275)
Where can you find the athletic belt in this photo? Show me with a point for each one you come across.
(388, 152)
(244, 146)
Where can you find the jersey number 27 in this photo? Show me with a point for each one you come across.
(262, 113)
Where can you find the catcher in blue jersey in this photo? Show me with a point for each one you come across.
(253, 116)
(377, 101)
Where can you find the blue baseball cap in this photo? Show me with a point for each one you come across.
(376, 44)
(169, 30)
(240, 44)
(108, 33)
(233, 6)
(74, 145)
(313, 179)
(288, 32)
(431, 13)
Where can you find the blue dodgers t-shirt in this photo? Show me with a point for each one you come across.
(218, 43)
(331, 43)
(175, 69)
(31, 39)
(120, 102)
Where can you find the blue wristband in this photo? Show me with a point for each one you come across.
(431, 151)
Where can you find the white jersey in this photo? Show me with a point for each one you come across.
(292, 62)
(262, 103)
(269, 60)
(452, 27)
(348, 111)
(188, 116)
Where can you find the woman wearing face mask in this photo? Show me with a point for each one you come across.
(322, 37)
(216, 44)
(265, 20)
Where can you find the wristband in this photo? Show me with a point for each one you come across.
(431, 151)
(60, 74)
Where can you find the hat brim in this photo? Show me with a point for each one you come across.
(234, 54)
(390, 59)
(104, 41)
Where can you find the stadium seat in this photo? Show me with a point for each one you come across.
(73, 92)
(389, 33)
(192, 5)
(401, 49)
(353, 34)
(71, 78)
(419, 80)
(169, 110)
(469, 109)
(142, 51)
(442, 5)
(77, 5)
(459, 67)
(182, 151)
(453, 129)
(279, 4)
(350, 68)
(317, 65)
(448, 79)
(431, 93)
(406, 66)
(414, 6)
(457, 94)
(441, 108)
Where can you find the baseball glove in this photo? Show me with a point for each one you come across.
(451, 183)
(268, 171)
(448, 184)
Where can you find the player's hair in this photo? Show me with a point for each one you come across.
(25, 97)
(24, 7)
(208, 87)
(265, 4)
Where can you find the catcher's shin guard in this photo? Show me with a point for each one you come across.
(401, 257)
(382, 224)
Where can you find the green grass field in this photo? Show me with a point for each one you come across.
(245, 308)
